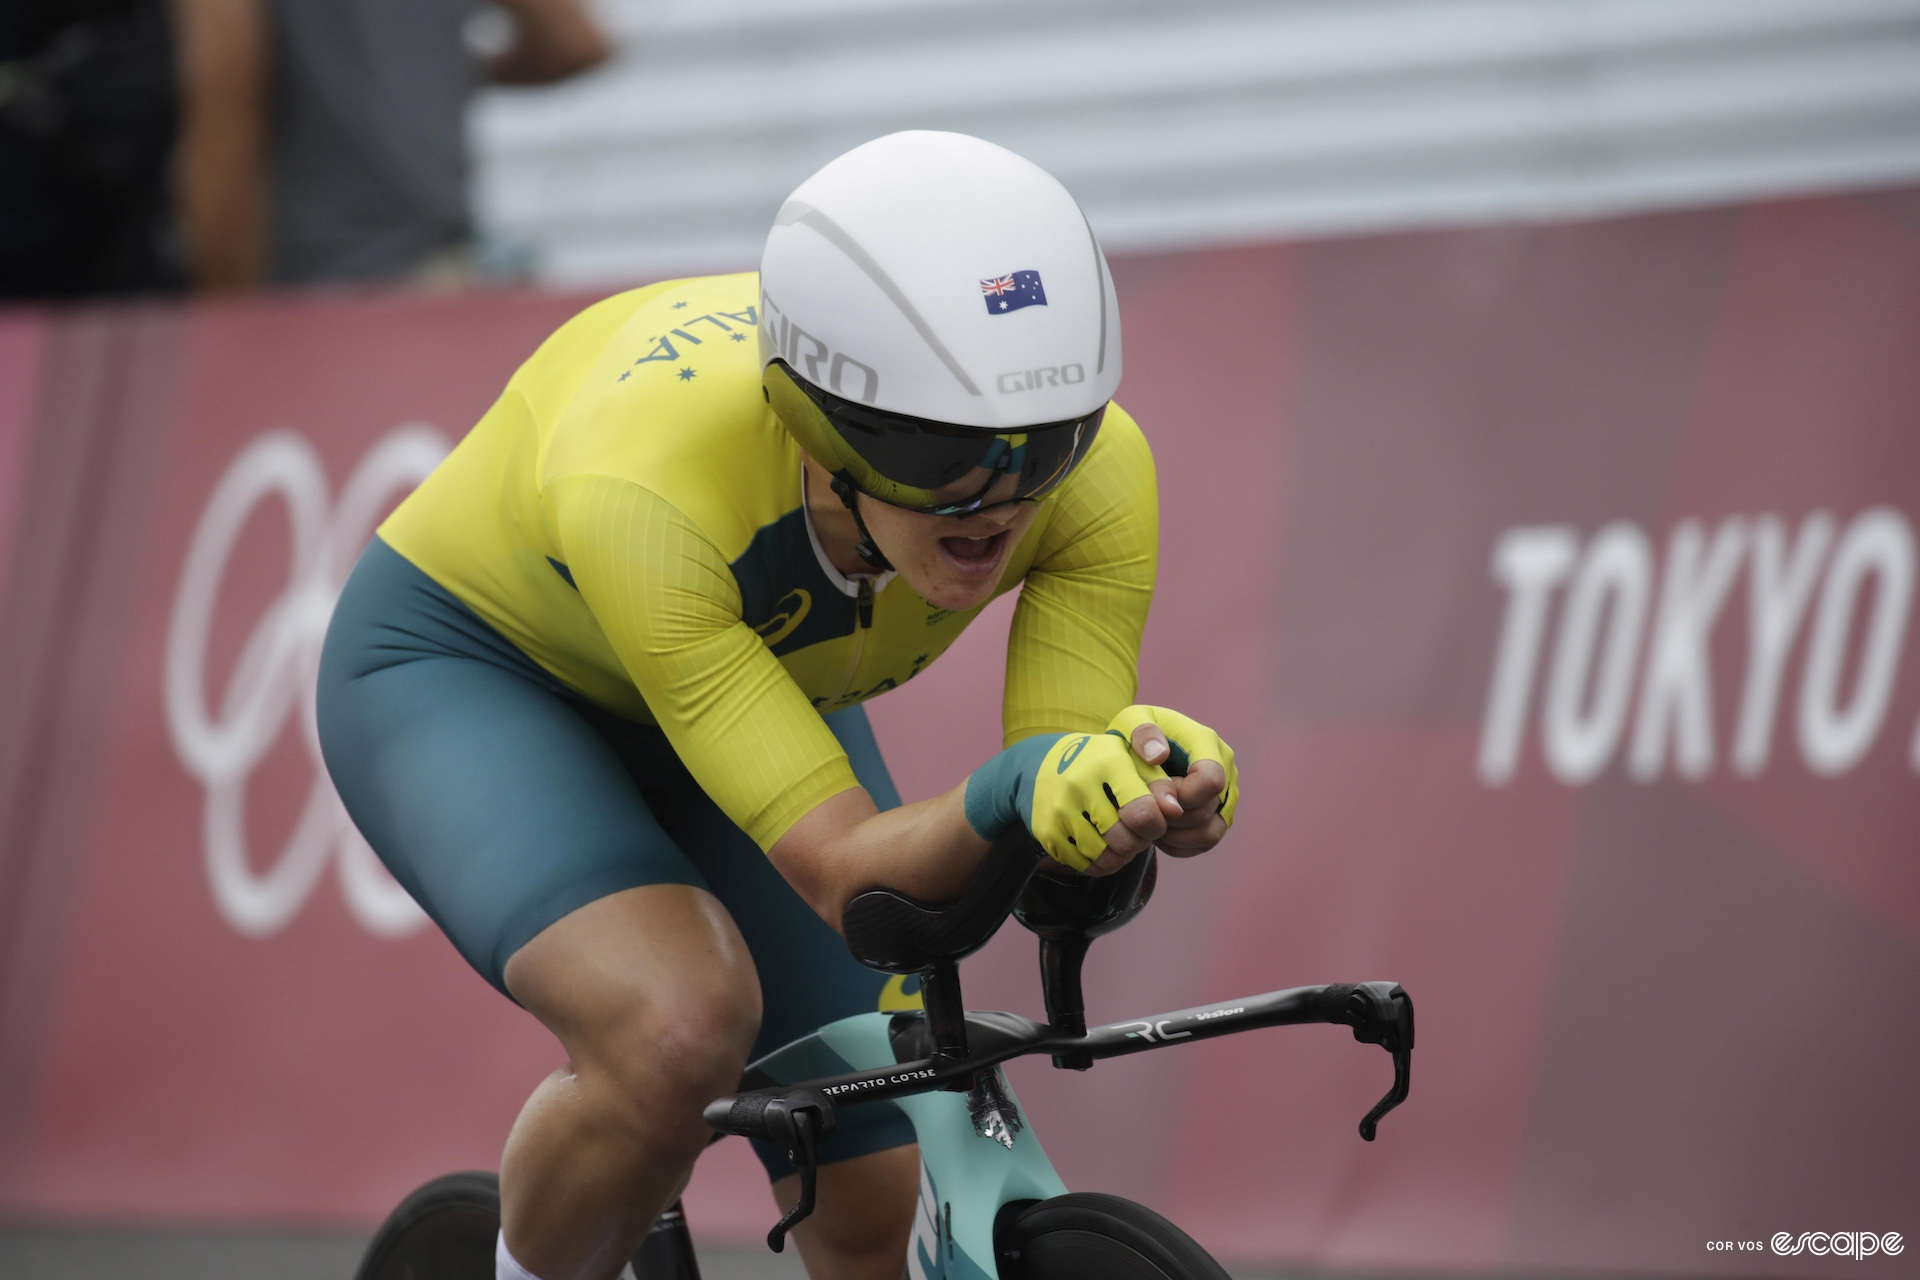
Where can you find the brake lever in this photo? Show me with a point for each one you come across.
(1380, 1013)
(1402, 1068)
(803, 1127)
(798, 1122)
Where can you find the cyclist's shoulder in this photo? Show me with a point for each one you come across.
(1119, 463)
(668, 398)
(1120, 434)
(615, 324)
(1108, 507)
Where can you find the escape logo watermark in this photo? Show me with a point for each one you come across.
(1821, 1244)
(1837, 1244)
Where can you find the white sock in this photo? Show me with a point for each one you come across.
(504, 1266)
(507, 1267)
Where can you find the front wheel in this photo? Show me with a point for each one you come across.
(443, 1231)
(1088, 1236)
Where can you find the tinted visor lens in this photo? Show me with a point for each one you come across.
(932, 467)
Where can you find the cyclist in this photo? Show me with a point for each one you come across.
(593, 693)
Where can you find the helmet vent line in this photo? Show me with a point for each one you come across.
(796, 212)
(1100, 278)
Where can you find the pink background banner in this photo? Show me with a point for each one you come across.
(23, 340)
(1555, 586)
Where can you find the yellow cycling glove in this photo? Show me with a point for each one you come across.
(1188, 740)
(1067, 788)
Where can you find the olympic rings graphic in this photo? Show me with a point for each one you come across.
(275, 675)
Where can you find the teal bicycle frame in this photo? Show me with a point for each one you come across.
(964, 1178)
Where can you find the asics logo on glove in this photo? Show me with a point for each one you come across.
(1095, 800)
(1084, 782)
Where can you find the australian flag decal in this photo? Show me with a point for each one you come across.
(1012, 292)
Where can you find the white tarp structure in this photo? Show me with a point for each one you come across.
(1202, 121)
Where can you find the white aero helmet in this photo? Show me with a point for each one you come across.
(938, 325)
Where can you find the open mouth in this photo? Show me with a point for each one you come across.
(974, 556)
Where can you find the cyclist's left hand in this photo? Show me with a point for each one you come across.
(1202, 789)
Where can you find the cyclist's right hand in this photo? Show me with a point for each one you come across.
(1084, 796)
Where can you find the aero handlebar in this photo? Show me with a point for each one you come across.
(1379, 1012)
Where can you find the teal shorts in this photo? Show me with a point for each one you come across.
(503, 801)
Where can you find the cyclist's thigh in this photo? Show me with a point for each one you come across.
(807, 975)
(490, 797)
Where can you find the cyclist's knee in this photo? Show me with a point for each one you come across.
(689, 1036)
(651, 990)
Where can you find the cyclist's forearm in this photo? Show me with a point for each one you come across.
(844, 846)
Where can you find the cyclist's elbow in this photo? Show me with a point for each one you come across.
(819, 855)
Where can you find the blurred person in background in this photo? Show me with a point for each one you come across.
(240, 142)
(326, 139)
(88, 119)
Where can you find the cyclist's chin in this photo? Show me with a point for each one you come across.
(944, 592)
(957, 572)
(953, 562)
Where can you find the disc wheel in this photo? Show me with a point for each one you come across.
(1088, 1236)
(443, 1231)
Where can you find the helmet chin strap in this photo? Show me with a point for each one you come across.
(867, 549)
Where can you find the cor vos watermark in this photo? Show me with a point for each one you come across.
(1857, 1245)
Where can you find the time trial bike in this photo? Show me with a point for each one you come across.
(991, 1206)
